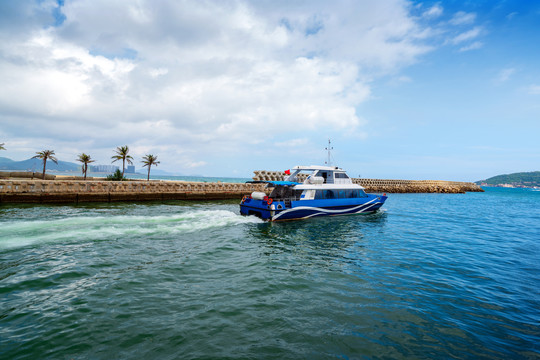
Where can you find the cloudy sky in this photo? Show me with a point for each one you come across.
(405, 89)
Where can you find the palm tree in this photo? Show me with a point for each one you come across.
(44, 155)
(2, 146)
(149, 160)
(122, 154)
(85, 159)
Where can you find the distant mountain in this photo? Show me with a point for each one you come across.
(522, 178)
(37, 165)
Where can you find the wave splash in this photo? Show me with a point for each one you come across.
(81, 228)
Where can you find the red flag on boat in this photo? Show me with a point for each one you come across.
(288, 172)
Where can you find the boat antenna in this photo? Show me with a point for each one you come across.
(329, 149)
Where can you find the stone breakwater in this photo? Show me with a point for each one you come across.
(23, 189)
(74, 191)
(25, 175)
(390, 186)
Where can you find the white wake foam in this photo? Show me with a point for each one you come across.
(81, 228)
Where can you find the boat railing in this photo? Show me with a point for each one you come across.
(288, 198)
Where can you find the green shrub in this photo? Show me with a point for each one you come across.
(117, 176)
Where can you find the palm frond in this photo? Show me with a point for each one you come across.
(150, 160)
(46, 155)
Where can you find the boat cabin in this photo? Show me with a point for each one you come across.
(328, 174)
(322, 183)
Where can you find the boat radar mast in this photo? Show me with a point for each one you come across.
(329, 149)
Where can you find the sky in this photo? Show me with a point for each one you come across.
(441, 90)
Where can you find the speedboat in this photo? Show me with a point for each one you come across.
(310, 191)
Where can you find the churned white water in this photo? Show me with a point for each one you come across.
(81, 228)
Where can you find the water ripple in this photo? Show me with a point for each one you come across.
(432, 276)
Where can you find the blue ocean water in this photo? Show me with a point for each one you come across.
(432, 276)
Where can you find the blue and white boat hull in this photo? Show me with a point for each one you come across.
(303, 209)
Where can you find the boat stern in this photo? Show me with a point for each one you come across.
(260, 206)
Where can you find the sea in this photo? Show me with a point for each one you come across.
(193, 178)
(430, 276)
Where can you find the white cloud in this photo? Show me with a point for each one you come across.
(293, 142)
(194, 164)
(463, 18)
(404, 79)
(504, 75)
(434, 11)
(511, 15)
(158, 72)
(194, 80)
(474, 46)
(468, 35)
(534, 89)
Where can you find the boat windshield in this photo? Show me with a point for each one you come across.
(327, 176)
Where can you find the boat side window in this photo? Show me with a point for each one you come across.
(319, 195)
(362, 193)
(343, 194)
(341, 178)
(329, 194)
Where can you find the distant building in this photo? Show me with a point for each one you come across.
(130, 169)
(103, 168)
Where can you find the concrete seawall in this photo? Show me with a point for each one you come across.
(24, 190)
(74, 191)
(391, 186)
